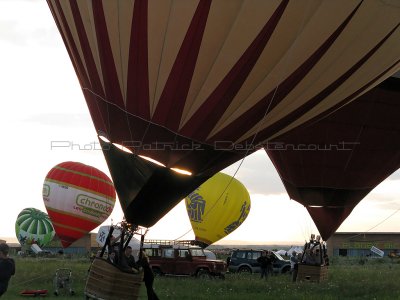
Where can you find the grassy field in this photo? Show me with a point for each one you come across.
(348, 279)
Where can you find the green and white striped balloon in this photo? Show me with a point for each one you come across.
(34, 227)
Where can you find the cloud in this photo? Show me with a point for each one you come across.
(385, 196)
(60, 119)
(24, 23)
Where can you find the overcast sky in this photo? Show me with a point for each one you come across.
(41, 102)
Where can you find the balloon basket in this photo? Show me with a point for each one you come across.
(312, 273)
(106, 281)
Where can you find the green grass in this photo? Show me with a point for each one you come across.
(348, 279)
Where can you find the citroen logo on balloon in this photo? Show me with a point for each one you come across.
(93, 206)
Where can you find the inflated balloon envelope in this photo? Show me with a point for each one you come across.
(217, 208)
(78, 198)
(330, 165)
(198, 85)
(33, 227)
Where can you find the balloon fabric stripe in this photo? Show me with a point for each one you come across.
(71, 228)
(72, 48)
(172, 100)
(72, 215)
(83, 44)
(97, 177)
(78, 187)
(67, 236)
(108, 67)
(85, 181)
(79, 224)
(354, 95)
(296, 114)
(138, 69)
(256, 113)
(208, 115)
(88, 181)
(84, 170)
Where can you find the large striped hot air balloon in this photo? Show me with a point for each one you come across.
(217, 208)
(33, 227)
(198, 84)
(78, 198)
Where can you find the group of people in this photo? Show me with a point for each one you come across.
(7, 268)
(127, 262)
(266, 261)
(312, 257)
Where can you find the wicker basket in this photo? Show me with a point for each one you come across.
(105, 281)
(312, 273)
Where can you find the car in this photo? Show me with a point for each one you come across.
(245, 260)
(183, 260)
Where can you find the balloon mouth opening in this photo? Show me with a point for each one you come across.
(153, 161)
(104, 139)
(123, 148)
(180, 171)
(127, 150)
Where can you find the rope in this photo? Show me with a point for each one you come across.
(379, 223)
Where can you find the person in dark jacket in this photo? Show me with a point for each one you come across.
(112, 258)
(128, 261)
(7, 268)
(270, 262)
(263, 261)
(148, 276)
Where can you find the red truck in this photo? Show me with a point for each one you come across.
(183, 260)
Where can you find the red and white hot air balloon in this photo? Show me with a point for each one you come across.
(78, 198)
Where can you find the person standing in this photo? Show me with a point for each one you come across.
(270, 262)
(294, 265)
(293, 261)
(7, 268)
(148, 276)
(263, 261)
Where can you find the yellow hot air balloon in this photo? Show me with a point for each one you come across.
(217, 208)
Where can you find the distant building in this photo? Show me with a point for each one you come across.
(2, 241)
(84, 245)
(359, 244)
